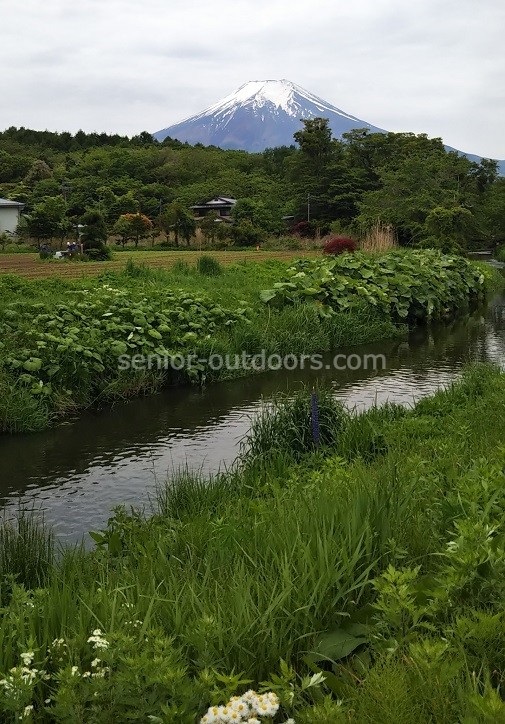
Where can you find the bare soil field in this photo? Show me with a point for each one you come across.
(31, 266)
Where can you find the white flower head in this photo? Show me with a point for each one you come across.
(98, 640)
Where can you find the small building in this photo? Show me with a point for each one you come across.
(10, 211)
(221, 205)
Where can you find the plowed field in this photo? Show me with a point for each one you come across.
(32, 267)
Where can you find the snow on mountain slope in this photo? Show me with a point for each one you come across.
(260, 114)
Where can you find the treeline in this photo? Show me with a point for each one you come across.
(429, 196)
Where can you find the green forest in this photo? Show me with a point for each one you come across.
(430, 197)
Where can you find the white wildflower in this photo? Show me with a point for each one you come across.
(27, 658)
(243, 709)
(98, 640)
(239, 706)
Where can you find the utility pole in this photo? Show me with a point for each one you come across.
(160, 209)
(65, 188)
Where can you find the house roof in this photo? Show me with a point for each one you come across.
(7, 203)
(216, 202)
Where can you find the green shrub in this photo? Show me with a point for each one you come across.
(417, 286)
(209, 266)
(98, 254)
(20, 409)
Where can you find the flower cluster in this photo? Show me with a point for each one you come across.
(99, 670)
(27, 712)
(98, 640)
(17, 686)
(246, 709)
(24, 673)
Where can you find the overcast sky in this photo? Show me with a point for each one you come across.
(427, 66)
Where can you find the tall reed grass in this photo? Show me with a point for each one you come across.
(379, 238)
(27, 551)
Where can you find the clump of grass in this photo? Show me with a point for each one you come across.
(364, 434)
(288, 425)
(181, 268)
(189, 494)
(137, 271)
(27, 552)
(20, 410)
(381, 237)
(209, 266)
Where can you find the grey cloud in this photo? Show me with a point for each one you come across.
(122, 66)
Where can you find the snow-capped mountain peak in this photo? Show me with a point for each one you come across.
(281, 94)
(260, 114)
(257, 93)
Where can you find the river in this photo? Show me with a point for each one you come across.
(77, 472)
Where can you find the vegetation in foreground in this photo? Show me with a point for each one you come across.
(359, 581)
(65, 346)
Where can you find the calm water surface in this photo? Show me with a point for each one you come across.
(78, 472)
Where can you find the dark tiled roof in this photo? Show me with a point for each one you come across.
(218, 201)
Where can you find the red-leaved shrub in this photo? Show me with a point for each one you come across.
(339, 244)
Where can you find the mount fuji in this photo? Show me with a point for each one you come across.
(265, 114)
(260, 114)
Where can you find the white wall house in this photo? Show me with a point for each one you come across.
(10, 212)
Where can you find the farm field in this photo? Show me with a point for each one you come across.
(31, 266)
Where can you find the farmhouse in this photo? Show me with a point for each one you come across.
(221, 205)
(9, 215)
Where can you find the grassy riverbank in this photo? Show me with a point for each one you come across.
(376, 563)
(69, 345)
